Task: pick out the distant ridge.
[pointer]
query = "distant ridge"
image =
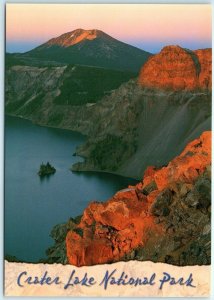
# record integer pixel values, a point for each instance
(91, 47)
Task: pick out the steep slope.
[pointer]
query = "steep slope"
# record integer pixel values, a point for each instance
(171, 106)
(91, 47)
(164, 218)
(33, 92)
(205, 61)
(123, 121)
(138, 122)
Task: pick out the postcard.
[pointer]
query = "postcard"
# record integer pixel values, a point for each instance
(108, 150)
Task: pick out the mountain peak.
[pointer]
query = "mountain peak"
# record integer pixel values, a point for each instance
(91, 47)
(74, 37)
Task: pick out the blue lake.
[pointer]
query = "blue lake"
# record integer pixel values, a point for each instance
(33, 206)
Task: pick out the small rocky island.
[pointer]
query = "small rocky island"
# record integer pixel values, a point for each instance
(46, 170)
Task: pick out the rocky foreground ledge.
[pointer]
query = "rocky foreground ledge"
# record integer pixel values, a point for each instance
(164, 218)
(196, 280)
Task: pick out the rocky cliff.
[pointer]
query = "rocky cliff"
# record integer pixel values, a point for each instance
(176, 68)
(130, 125)
(133, 122)
(174, 88)
(164, 218)
(122, 117)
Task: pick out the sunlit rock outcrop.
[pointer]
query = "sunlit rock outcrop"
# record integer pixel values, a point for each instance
(176, 68)
(163, 218)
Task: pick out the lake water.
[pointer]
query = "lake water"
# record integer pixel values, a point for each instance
(33, 206)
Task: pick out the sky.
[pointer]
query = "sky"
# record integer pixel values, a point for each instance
(146, 26)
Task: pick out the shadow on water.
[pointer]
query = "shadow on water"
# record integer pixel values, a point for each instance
(106, 178)
(45, 178)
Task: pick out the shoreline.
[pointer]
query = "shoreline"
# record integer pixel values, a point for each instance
(86, 169)
(43, 125)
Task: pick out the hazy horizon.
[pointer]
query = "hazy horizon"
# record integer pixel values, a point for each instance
(147, 26)
(24, 46)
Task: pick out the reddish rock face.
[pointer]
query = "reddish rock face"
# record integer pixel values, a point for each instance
(205, 60)
(175, 68)
(108, 231)
(186, 167)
